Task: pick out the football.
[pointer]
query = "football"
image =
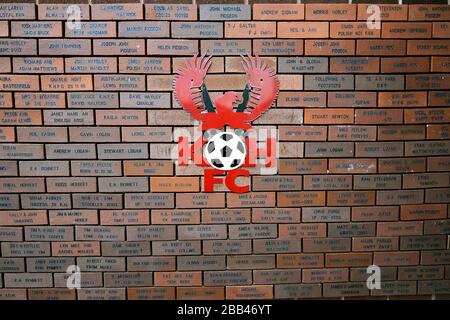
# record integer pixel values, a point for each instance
(225, 151)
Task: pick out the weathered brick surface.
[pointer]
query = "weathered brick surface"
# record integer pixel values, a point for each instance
(87, 121)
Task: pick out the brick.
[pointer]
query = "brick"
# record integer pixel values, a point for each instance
(38, 65)
(379, 82)
(399, 228)
(18, 47)
(9, 201)
(420, 273)
(385, 47)
(300, 260)
(13, 11)
(279, 215)
(177, 248)
(405, 64)
(428, 12)
(126, 11)
(399, 197)
(21, 151)
(144, 65)
(438, 163)
(435, 81)
(330, 11)
(427, 47)
(144, 29)
(302, 64)
(226, 216)
(384, 149)
(301, 198)
(224, 12)
(302, 133)
(19, 83)
(352, 259)
(375, 244)
(251, 199)
(352, 30)
(151, 293)
(56, 11)
(250, 231)
(326, 244)
(296, 166)
(325, 214)
(93, 200)
(406, 30)
(28, 280)
(25, 217)
(250, 292)
(377, 182)
(8, 168)
(128, 248)
(10, 234)
(13, 294)
(303, 30)
(256, 29)
(251, 262)
(172, 47)
(202, 232)
(197, 30)
(343, 198)
(194, 293)
(276, 246)
(51, 294)
(178, 278)
(226, 247)
(328, 82)
(396, 258)
(101, 294)
(325, 275)
(50, 264)
(425, 180)
(119, 47)
(277, 47)
(93, 100)
(4, 27)
(437, 131)
(36, 29)
(150, 263)
(437, 98)
(64, 46)
(352, 133)
(304, 230)
(397, 165)
(329, 115)
(356, 99)
(387, 12)
(63, 217)
(355, 65)
(426, 148)
(284, 291)
(170, 11)
(21, 185)
(329, 47)
(6, 99)
(273, 11)
(276, 276)
(353, 229)
(440, 29)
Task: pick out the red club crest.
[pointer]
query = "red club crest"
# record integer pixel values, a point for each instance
(232, 110)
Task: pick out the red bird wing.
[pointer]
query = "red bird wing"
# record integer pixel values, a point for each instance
(263, 85)
(189, 89)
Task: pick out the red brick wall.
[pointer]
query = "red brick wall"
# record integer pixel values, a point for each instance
(86, 128)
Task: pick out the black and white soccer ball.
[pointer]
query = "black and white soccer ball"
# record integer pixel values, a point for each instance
(225, 151)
